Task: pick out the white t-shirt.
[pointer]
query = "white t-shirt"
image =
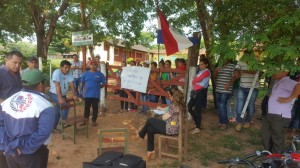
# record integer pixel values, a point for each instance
(246, 79)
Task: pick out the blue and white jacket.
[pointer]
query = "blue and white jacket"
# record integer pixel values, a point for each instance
(28, 120)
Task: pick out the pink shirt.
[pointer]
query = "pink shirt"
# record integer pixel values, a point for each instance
(282, 88)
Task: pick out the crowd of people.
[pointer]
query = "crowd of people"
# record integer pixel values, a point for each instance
(24, 102)
(28, 114)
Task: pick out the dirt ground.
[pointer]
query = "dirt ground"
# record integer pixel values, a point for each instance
(65, 154)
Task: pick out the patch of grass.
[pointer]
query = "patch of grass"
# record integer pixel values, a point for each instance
(231, 142)
(207, 156)
(254, 137)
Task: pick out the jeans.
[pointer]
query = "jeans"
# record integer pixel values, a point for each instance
(232, 114)
(222, 101)
(242, 96)
(145, 98)
(153, 98)
(151, 127)
(54, 98)
(77, 87)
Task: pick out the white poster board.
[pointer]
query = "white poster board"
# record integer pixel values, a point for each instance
(135, 78)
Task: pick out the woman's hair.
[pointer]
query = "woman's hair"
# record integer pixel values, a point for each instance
(205, 61)
(178, 98)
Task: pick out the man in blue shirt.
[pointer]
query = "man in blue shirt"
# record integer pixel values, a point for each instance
(10, 83)
(28, 120)
(92, 82)
(59, 86)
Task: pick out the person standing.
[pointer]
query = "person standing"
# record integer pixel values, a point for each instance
(198, 97)
(145, 96)
(223, 92)
(77, 72)
(92, 82)
(59, 86)
(121, 92)
(32, 63)
(10, 83)
(28, 120)
(279, 112)
(247, 77)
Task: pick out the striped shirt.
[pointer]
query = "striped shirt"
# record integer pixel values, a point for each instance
(224, 75)
(246, 79)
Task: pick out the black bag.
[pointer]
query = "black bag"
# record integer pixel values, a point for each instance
(129, 161)
(104, 160)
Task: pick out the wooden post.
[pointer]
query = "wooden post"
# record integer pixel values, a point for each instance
(191, 64)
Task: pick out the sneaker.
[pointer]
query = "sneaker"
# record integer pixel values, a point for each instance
(246, 125)
(195, 131)
(238, 127)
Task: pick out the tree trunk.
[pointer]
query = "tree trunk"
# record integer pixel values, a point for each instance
(83, 26)
(40, 17)
(205, 23)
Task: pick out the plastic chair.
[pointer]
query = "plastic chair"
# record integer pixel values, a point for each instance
(72, 120)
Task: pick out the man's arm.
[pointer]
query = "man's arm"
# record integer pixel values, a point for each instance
(58, 93)
(294, 94)
(235, 76)
(73, 90)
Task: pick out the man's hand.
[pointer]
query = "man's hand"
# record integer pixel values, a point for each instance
(61, 100)
(227, 86)
(75, 98)
(283, 100)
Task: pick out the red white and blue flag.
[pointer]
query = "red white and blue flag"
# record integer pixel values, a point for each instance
(174, 41)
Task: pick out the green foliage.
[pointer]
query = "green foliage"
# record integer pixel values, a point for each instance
(27, 49)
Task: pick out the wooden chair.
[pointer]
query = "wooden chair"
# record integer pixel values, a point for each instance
(72, 120)
(113, 137)
(180, 139)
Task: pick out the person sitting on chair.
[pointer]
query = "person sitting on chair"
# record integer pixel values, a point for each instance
(168, 125)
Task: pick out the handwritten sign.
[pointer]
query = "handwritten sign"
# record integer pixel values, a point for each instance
(135, 78)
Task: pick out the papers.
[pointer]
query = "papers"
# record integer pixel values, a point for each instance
(159, 112)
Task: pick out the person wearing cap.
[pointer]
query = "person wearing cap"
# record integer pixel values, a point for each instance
(77, 72)
(92, 81)
(28, 120)
(10, 83)
(32, 63)
(59, 86)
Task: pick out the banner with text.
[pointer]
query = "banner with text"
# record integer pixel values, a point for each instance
(135, 78)
(82, 38)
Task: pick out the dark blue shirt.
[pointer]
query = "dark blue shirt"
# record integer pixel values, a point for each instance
(9, 83)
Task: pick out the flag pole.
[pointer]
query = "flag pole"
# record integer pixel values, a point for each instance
(158, 52)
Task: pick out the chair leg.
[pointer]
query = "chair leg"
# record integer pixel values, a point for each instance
(159, 147)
